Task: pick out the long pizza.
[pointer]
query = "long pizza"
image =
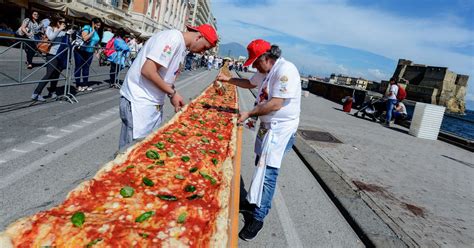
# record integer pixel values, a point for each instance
(170, 190)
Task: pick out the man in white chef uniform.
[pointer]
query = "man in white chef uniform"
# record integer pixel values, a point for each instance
(278, 107)
(151, 78)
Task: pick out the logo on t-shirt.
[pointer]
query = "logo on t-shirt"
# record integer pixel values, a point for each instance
(167, 49)
(263, 95)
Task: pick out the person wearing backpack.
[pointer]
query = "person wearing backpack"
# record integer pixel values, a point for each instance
(391, 99)
(55, 33)
(83, 56)
(118, 50)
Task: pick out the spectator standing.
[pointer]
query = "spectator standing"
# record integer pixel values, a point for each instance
(132, 44)
(56, 63)
(210, 62)
(106, 36)
(83, 56)
(29, 29)
(391, 99)
(117, 59)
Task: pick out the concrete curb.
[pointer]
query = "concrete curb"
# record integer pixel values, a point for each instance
(370, 228)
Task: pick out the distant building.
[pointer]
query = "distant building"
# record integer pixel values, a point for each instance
(360, 83)
(142, 17)
(433, 84)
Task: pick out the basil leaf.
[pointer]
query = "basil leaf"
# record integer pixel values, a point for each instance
(168, 132)
(189, 188)
(160, 162)
(78, 219)
(202, 122)
(182, 217)
(194, 197)
(144, 235)
(160, 145)
(220, 137)
(205, 140)
(213, 151)
(170, 154)
(152, 154)
(213, 130)
(202, 151)
(127, 192)
(182, 133)
(128, 167)
(144, 216)
(168, 197)
(170, 140)
(215, 161)
(194, 169)
(198, 134)
(93, 242)
(185, 158)
(184, 124)
(208, 177)
(150, 167)
(147, 181)
(180, 177)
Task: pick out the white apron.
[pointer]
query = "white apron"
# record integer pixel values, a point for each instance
(146, 118)
(270, 144)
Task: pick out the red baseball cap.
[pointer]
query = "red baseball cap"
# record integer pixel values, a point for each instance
(207, 31)
(255, 49)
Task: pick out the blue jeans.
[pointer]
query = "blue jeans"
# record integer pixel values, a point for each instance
(390, 104)
(83, 61)
(269, 186)
(126, 132)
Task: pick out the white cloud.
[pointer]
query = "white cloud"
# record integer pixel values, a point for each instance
(427, 41)
(377, 74)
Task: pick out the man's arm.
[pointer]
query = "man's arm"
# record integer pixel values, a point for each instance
(150, 71)
(263, 109)
(239, 82)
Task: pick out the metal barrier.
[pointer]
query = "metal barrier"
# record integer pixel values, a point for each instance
(68, 76)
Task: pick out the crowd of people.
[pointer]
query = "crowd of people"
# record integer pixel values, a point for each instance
(52, 35)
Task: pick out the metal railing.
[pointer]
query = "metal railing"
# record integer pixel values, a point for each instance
(65, 74)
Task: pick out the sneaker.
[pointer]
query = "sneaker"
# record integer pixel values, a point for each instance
(81, 89)
(52, 96)
(89, 88)
(39, 98)
(251, 229)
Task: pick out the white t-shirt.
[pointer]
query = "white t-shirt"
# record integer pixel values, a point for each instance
(403, 109)
(166, 48)
(394, 89)
(283, 81)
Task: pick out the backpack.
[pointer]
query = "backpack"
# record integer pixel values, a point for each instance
(402, 94)
(109, 48)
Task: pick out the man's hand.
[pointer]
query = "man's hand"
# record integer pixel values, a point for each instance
(243, 116)
(177, 101)
(223, 78)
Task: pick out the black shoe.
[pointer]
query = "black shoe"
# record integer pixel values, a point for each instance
(251, 229)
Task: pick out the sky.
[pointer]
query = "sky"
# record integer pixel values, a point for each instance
(363, 38)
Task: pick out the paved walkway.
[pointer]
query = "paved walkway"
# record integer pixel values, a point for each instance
(422, 189)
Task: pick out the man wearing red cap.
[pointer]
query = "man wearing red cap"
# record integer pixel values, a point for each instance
(278, 107)
(151, 78)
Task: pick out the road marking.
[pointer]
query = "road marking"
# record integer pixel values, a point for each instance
(104, 114)
(38, 143)
(78, 126)
(52, 136)
(23, 171)
(18, 150)
(65, 131)
(96, 118)
(88, 122)
(2, 161)
(289, 229)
